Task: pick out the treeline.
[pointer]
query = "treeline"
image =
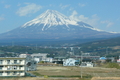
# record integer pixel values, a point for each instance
(103, 47)
(30, 50)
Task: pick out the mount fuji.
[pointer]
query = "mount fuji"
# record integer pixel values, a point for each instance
(53, 25)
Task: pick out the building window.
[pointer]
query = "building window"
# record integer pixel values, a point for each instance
(8, 61)
(20, 61)
(8, 72)
(1, 72)
(14, 73)
(9, 67)
(1, 67)
(20, 67)
(1, 61)
(15, 61)
(21, 72)
(15, 67)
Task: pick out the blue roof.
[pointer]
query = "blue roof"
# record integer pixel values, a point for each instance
(102, 58)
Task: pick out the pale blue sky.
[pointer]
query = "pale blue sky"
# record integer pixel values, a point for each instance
(101, 14)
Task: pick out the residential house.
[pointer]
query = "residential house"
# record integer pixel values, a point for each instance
(70, 62)
(87, 63)
(39, 56)
(102, 59)
(118, 60)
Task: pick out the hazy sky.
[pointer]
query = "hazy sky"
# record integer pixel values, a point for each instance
(101, 14)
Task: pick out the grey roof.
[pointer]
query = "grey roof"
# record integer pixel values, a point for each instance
(39, 54)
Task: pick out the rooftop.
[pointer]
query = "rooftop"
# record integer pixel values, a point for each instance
(11, 58)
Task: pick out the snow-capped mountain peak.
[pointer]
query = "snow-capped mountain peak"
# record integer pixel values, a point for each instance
(54, 25)
(51, 18)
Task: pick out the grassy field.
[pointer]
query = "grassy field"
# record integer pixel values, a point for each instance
(37, 78)
(72, 73)
(75, 72)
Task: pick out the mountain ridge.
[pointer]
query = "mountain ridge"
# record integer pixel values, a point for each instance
(54, 25)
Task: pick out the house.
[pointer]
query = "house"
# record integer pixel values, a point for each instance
(102, 59)
(58, 60)
(87, 63)
(39, 56)
(12, 66)
(70, 62)
(118, 61)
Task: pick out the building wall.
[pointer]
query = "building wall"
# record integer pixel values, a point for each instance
(87, 64)
(69, 62)
(12, 66)
(30, 63)
(41, 56)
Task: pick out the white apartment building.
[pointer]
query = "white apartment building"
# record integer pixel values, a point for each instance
(12, 66)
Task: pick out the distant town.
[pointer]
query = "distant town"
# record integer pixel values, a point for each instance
(19, 63)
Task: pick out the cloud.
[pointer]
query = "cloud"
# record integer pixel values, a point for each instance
(64, 6)
(92, 20)
(28, 9)
(7, 6)
(81, 5)
(109, 24)
(74, 16)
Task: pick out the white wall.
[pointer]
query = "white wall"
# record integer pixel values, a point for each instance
(12, 68)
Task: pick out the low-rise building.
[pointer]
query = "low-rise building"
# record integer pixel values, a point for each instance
(87, 63)
(70, 62)
(118, 60)
(39, 56)
(102, 59)
(12, 66)
(31, 64)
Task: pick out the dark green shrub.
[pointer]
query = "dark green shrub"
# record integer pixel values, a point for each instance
(113, 65)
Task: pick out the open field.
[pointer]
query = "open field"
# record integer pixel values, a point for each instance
(37, 78)
(75, 72)
(94, 78)
(72, 73)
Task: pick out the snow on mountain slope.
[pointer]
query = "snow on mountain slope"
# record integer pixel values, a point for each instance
(54, 18)
(54, 25)
(51, 18)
